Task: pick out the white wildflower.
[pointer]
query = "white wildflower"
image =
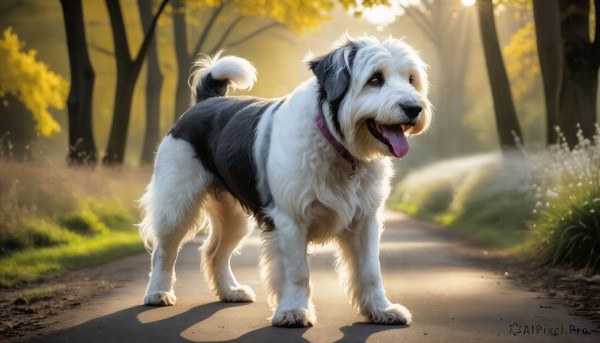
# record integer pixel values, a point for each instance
(550, 193)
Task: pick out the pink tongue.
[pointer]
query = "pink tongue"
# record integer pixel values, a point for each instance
(397, 140)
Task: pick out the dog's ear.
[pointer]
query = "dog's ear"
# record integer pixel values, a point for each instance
(333, 71)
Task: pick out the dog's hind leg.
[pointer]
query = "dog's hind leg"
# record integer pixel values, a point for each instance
(228, 227)
(171, 212)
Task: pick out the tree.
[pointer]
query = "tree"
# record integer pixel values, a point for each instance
(546, 16)
(507, 124)
(569, 61)
(31, 83)
(154, 81)
(82, 149)
(128, 70)
(581, 61)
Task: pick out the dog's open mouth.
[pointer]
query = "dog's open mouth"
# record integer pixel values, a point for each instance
(390, 135)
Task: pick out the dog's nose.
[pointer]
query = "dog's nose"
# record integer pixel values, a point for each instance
(411, 109)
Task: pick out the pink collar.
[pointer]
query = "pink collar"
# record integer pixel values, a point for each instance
(336, 145)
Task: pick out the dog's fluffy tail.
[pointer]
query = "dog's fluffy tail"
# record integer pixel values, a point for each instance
(214, 76)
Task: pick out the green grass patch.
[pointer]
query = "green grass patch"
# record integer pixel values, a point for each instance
(34, 233)
(35, 249)
(83, 223)
(54, 219)
(40, 264)
(112, 212)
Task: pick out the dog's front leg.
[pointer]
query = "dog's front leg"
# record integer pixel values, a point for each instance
(285, 271)
(360, 273)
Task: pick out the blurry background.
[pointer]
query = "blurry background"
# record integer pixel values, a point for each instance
(493, 166)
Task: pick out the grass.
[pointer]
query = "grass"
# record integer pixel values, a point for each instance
(83, 222)
(41, 264)
(545, 204)
(566, 230)
(54, 219)
(484, 197)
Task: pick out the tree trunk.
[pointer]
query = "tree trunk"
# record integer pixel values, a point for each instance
(154, 80)
(82, 149)
(115, 151)
(507, 123)
(184, 61)
(128, 71)
(578, 106)
(580, 70)
(184, 57)
(547, 27)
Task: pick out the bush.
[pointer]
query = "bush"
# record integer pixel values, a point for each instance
(111, 212)
(83, 223)
(33, 233)
(43, 233)
(567, 228)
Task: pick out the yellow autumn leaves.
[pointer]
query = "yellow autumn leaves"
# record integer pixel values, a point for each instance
(522, 61)
(296, 15)
(30, 81)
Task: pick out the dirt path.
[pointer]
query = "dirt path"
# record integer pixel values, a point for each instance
(453, 298)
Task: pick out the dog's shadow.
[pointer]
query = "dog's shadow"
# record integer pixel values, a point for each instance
(356, 333)
(360, 332)
(127, 326)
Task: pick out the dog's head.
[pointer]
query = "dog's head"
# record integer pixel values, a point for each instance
(376, 94)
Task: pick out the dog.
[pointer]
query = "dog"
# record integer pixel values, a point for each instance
(311, 167)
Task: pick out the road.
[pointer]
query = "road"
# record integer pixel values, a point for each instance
(453, 298)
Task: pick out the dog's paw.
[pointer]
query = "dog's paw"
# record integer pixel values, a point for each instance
(293, 318)
(394, 314)
(160, 299)
(238, 294)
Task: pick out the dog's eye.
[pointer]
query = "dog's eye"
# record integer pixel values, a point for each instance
(376, 80)
(411, 79)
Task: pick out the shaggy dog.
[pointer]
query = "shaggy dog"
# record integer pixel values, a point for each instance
(310, 167)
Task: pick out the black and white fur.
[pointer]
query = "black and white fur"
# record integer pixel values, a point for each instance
(229, 156)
